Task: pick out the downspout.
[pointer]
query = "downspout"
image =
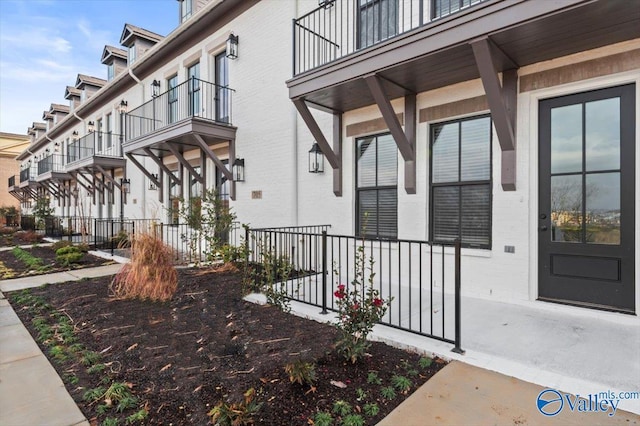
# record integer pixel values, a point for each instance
(144, 160)
(295, 143)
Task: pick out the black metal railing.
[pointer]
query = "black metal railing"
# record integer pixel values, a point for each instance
(340, 27)
(193, 98)
(421, 278)
(12, 181)
(104, 144)
(51, 163)
(29, 173)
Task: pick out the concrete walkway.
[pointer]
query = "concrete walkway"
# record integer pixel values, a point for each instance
(461, 394)
(31, 392)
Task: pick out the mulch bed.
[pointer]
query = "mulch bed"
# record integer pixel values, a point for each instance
(15, 268)
(18, 238)
(208, 345)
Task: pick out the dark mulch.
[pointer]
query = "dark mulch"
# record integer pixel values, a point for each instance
(207, 345)
(15, 268)
(17, 238)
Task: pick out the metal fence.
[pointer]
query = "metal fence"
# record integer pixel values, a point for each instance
(193, 98)
(421, 278)
(340, 27)
(105, 144)
(50, 163)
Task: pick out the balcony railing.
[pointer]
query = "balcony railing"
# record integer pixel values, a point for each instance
(340, 27)
(29, 173)
(104, 144)
(193, 98)
(12, 181)
(51, 163)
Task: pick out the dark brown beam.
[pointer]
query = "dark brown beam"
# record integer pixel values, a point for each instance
(174, 150)
(219, 164)
(384, 105)
(502, 103)
(162, 166)
(337, 148)
(333, 159)
(109, 178)
(410, 115)
(152, 178)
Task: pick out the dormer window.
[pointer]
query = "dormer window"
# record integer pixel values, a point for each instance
(186, 9)
(111, 71)
(132, 54)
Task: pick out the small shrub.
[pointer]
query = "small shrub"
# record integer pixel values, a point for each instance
(68, 255)
(425, 362)
(90, 358)
(97, 368)
(322, 418)
(361, 395)
(388, 393)
(121, 239)
(28, 237)
(371, 410)
(58, 353)
(301, 372)
(353, 420)
(150, 275)
(27, 258)
(59, 244)
(137, 417)
(373, 379)
(94, 394)
(401, 383)
(236, 414)
(342, 408)
(110, 421)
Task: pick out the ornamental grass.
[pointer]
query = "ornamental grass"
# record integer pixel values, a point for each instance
(150, 274)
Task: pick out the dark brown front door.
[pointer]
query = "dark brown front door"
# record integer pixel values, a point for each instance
(587, 199)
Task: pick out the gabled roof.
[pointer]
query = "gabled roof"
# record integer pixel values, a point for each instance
(88, 80)
(131, 32)
(71, 92)
(36, 125)
(110, 52)
(59, 108)
(46, 115)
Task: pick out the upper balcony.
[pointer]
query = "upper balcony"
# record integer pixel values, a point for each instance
(419, 45)
(12, 183)
(195, 108)
(28, 174)
(51, 167)
(95, 152)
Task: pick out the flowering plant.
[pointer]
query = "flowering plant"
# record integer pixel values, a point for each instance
(360, 307)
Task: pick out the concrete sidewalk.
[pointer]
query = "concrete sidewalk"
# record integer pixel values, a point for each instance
(31, 392)
(461, 394)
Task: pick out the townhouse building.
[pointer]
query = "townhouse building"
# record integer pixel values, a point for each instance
(508, 124)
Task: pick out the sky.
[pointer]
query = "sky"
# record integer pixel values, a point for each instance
(45, 44)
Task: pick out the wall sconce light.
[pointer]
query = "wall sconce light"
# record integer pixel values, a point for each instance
(316, 159)
(122, 108)
(237, 170)
(155, 88)
(232, 46)
(47, 151)
(125, 185)
(152, 186)
(91, 126)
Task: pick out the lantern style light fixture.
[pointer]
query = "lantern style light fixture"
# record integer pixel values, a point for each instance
(122, 108)
(91, 126)
(155, 88)
(232, 46)
(125, 184)
(237, 170)
(316, 159)
(152, 186)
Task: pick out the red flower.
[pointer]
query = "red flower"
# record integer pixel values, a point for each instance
(377, 302)
(356, 306)
(339, 294)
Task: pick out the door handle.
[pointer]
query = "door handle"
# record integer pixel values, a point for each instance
(543, 228)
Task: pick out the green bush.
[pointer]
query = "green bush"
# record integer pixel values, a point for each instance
(59, 244)
(68, 255)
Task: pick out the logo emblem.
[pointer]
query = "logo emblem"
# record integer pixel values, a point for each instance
(550, 402)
